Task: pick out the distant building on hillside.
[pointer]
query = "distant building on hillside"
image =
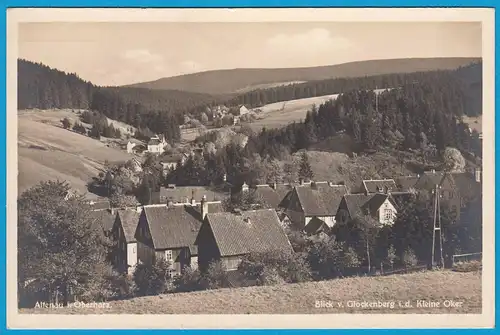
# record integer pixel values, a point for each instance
(157, 144)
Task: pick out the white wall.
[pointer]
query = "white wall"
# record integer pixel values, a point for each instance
(131, 256)
(387, 206)
(329, 220)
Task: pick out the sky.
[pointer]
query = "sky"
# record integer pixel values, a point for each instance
(125, 53)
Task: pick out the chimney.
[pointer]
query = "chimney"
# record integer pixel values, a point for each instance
(477, 174)
(247, 220)
(237, 211)
(301, 181)
(204, 207)
(433, 171)
(274, 185)
(193, 201)
(171, 185)
(170, 203)
(138, 209)
(244, 187)
(112, 211)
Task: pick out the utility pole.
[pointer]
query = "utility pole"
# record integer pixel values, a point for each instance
(437, 228)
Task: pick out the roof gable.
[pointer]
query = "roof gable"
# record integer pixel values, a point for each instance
(377, 186)
(184, 194)
(272, 196)
(235, 236)
(320, 199)
(172, 227)
(128, 220)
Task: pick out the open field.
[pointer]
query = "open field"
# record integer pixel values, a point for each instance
(474, 122)
(279, 114)
(46, 151)
(432, 286)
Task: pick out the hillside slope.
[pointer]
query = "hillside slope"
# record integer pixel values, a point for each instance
(301, 298)
(46, 151)
(239, 80)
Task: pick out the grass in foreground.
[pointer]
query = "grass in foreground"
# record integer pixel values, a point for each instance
(433, 286)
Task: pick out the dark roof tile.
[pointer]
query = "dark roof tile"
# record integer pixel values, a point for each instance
(321, 199)
(235, 236)
(128, 220)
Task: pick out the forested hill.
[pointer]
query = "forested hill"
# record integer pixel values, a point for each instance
(241, 80)
(415, 122)
(40, 86)
(466, 79)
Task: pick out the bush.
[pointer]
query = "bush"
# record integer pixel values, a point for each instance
(330, 259)
(190, 280)
(151, 279)
(66, 123)
(267, 267)
(409, 258)
(215, 277)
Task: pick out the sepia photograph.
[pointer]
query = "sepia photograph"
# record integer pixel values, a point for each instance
(238, 162)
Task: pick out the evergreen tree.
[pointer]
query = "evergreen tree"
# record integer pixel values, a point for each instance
(305, 170)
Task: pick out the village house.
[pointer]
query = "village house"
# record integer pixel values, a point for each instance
(133, 145)
(170, 162)
(379, 206)
(273, 195)
(169, 232)
(314, 200)
(227, 237)
(123, 232)
(157, 144)
(173, 194)
(457, 189)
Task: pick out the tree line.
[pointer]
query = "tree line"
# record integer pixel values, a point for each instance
(464, 81)
(418, 118)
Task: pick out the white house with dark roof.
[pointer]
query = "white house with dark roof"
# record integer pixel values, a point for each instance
(379, 206)
(156, 144)
(169, 232)
(227, 237)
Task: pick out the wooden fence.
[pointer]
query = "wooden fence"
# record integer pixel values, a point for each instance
(476, 256)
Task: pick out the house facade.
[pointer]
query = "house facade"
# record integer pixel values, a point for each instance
(228, 237)
(379, 206)
(156, 144)
(169, 233)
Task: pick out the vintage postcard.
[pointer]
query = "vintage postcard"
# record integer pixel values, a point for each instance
(250, 168)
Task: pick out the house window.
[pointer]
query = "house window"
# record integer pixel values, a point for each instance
(388, 215)
(168, 255)
(170, 273)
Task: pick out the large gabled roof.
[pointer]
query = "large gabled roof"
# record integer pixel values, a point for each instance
(320, 199)
(248, 232)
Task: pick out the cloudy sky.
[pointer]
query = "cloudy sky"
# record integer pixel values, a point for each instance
(125, 53)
